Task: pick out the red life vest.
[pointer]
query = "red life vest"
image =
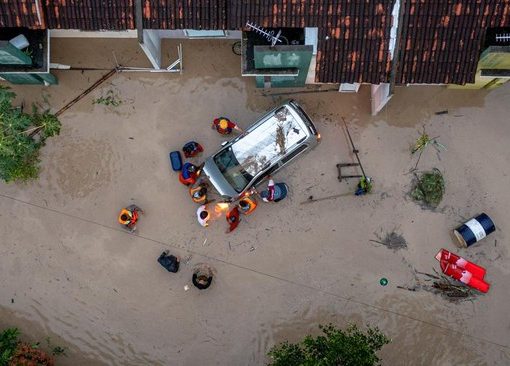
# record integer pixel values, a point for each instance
(224, 125)
(233, 218)
(189, 181)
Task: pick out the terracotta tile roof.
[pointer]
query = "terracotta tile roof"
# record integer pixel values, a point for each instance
(353, 35)
(184, 14)
(442, 39)
(90, 14)
(21, 13)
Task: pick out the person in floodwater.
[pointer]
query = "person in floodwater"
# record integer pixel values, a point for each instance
(202, 277)
(189, 174)
(203, 216)
(169, 262)
(225, 126)
(192, 149)
(233, 219)
(199, 194)
(128, 217)
(247, 205)
(275, 192)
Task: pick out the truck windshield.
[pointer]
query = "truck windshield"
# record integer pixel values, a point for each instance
(233, 172)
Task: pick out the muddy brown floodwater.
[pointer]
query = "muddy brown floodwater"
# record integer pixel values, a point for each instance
(68, 271)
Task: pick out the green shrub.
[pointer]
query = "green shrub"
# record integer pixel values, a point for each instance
(350, 347)
(21, 137)
(429, 188)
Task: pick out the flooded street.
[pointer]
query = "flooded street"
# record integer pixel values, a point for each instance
(69, 271)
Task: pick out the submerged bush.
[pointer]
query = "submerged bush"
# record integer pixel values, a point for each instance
(349, 347)
(429, 188)
(21, 136)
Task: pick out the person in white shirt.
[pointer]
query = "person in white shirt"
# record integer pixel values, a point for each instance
(203, 216)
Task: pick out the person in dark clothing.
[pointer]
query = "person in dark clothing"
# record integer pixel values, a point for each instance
(202, 277)
(169, 262)
(192, 149)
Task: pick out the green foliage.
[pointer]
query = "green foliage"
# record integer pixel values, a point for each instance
(336, 347)
(425, 140)
(8, 343)
(14, 352)
(56, 350)
(110, 99)
(21, 137)
(365, 184)
(429, 188)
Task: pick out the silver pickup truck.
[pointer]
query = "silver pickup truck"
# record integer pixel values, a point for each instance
(269, 144)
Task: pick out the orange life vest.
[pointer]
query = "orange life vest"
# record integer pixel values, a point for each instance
(251, 205)
(191, 180)
(196, 196)
(132, 217)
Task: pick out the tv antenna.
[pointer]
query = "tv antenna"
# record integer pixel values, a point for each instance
(503, 37)
(269, 35)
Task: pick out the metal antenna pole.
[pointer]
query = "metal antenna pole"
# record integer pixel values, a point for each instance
(354, 150)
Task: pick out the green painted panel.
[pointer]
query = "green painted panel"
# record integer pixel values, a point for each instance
(10, 55)
(284, 57)
(30, 79)
(49, 78)
(495, 60)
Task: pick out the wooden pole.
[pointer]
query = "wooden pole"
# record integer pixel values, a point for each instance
(86, 92)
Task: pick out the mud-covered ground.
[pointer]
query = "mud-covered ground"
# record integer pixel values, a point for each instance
(67, 270)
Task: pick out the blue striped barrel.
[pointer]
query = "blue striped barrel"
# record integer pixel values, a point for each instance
(474, 230)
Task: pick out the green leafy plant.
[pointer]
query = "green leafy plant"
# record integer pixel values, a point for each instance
(56, 350)
(21, 137)
(425, 140)
(14, 352)
(110, 99)
(8, 344)
(365, 183)
(429, 188)
(349, 347)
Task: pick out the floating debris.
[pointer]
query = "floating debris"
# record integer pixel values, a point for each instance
(442, 285)
(448, 288)
(392, 240)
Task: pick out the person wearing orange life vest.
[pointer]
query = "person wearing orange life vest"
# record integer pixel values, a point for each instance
(189, 174)
(225, 126)
(129, 216)
(247, 205)
(199, 193)
(233, 219)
